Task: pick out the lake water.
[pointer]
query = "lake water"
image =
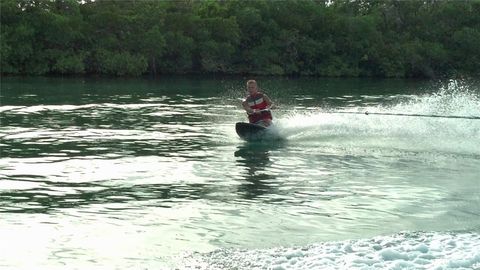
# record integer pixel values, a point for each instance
(150, 174)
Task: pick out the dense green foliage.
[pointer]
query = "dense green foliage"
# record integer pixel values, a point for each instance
(319, 38)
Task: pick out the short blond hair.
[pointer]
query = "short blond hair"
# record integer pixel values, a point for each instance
(251, 82)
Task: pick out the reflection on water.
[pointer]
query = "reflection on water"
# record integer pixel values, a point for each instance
(255, 158)
(56, 196)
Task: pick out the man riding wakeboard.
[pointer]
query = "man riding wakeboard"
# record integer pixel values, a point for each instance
(257, 105)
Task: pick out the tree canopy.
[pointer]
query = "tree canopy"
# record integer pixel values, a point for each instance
(357, 38)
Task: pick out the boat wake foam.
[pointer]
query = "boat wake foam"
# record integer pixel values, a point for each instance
(400, 251)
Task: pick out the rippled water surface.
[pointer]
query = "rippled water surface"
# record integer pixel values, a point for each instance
(130, 173)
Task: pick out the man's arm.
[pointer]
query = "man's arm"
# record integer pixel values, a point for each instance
(247, 108)
(268, 101)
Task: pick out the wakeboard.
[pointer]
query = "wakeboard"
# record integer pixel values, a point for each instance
(250, 132)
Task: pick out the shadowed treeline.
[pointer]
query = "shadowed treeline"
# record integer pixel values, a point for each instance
(316, 38)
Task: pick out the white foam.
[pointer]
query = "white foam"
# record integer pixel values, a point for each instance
(400, 251)
(391, 127)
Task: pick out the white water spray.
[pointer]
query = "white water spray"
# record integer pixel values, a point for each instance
(398, 126)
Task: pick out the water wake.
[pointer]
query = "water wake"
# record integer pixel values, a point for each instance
(400, 251)
(399, 125)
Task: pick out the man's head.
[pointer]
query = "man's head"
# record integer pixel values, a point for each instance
(252, 87)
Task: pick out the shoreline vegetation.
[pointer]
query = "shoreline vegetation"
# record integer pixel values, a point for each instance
(385, 39)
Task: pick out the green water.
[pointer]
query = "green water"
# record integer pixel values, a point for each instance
(138, 173)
